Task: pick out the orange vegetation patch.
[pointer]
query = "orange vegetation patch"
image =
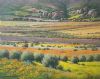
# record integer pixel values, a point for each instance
(68, 53)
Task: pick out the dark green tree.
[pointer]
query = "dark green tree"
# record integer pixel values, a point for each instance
(15, 55)
(38, 57)
(82, 58)
(27, 56)
(4, 54)
(50, 61)
(75, 60)
(97, 57)
(90, 58)
(63, 58)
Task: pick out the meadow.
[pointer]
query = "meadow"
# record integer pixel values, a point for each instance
(51, 29)
(49, 50)
(13, 69)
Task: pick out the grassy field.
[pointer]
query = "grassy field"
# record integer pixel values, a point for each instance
(86, 32)
(56, 38)
(76, 29)
(83, 69)
(13, 69)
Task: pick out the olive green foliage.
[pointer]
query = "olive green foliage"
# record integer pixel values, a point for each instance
(63, 58)
(15, 55)
(75, 60)
(38, 57)
(59, 67)
(90, 58)
(50, 61)
(94, 49)
(97, 57)
(27, 56)
(82, 58)
(4, 54)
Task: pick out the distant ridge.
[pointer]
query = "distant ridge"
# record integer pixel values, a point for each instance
(5, 5)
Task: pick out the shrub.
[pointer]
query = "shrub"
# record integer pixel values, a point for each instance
(97, 57)
(82, 59)
(75, 50)
(85, 48)
(75, 60)
(63, 58)
(59, 67)
(50, 61)
(27, 56)
(89, 58)
(4, 54)
(94, 49)
(58, 57)
(15, 55)
(25, 45)
(38, 57)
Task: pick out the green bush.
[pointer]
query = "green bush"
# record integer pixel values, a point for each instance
(27, 56)
(15, 55)
(4, 54)
(97, 57)
(89, 58)
(38, 57)
(94, 48)
(82, 58)
(63, 58)
(75, 60)
(59, 67)
(50, 61)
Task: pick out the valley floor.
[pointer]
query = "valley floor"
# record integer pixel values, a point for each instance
(13, 69)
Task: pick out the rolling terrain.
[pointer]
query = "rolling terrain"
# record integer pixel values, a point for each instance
(51, 35)
(86, 32)
(13, 69)
(40, 40)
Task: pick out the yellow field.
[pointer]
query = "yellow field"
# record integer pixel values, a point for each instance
(25, 23)
(79, 29)
(13, 69)
(84, 32)
(83, 70)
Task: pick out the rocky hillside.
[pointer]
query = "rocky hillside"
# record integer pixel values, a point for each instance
(9, 7)
(4, 4)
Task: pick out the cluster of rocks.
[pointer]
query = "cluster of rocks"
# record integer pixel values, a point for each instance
(41, 14)
(51, 15)
(87, 12)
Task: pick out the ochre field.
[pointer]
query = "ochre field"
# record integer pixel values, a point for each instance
(79, 29)
(13, 69)
(58, 38)
(68, 53)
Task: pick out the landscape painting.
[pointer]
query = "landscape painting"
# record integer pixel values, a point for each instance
(49, 39)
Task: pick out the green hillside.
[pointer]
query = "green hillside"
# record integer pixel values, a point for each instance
(20, 6)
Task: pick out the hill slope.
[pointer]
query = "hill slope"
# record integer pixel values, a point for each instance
(9, 6)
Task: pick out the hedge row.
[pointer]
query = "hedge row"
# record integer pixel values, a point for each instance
(87, 58)
(47, 59)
